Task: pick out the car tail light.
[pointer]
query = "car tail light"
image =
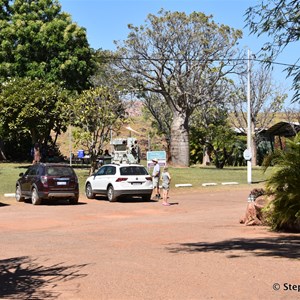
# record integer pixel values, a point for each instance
(149, 178)
(121, 179)
(44, 180)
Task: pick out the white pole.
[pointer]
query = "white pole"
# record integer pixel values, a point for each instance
(249, 164)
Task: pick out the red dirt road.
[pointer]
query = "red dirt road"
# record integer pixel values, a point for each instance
(194, 249)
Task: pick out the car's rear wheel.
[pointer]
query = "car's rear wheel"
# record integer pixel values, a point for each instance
(19, 196)
(146, 197)
(111, 194)
(89, 191)
(73, 201)
(35, 199)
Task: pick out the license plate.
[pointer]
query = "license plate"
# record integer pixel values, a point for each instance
(136, 183)
(61, 183)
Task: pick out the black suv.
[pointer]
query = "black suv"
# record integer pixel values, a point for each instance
(48, 181)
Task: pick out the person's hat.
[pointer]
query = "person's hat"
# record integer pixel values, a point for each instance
(155, 160)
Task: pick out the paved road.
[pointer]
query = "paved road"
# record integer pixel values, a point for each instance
(194, 249)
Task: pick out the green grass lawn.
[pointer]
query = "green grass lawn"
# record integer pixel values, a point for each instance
(199, 175)
(196, 176)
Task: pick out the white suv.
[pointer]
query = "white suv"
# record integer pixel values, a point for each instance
(114, 180)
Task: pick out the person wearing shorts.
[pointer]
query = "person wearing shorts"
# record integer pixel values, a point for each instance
(155, 178)
(166, 179)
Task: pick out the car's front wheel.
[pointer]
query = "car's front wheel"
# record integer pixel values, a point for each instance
(35, 199)
(89, 191)
(19, 196)
(111, 194)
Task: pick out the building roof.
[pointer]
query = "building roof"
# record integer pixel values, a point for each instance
(286, 129)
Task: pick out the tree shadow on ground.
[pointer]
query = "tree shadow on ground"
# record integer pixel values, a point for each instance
(284, 246)
(24, 278)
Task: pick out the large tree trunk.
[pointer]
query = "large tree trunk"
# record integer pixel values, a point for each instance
(34, 137)
(253, 145)
(180, 150)
(254, 152)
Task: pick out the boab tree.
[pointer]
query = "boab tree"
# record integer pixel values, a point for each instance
(182, 58)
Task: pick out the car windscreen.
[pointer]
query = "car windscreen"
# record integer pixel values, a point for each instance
(133, 170)
(60, 171)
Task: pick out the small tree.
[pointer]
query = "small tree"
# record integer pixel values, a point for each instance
(33, 106)
(95, 112)
(266, 100)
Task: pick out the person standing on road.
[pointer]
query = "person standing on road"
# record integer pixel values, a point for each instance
(156, 177)
(166, 179)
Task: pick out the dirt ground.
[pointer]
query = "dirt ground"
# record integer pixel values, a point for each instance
(193, 249)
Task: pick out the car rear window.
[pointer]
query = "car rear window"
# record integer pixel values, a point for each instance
(33, 170)
(60, 171)
(133, 170)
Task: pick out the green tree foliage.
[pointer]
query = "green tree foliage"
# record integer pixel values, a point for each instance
(95, 112)
(182, 58)
(212, 140)
(37, 40)
(33, 107)
(105, 74)
(4, 9)
(279, 19)
(283, 212)
(227, 147)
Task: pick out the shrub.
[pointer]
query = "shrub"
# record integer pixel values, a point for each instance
(283, 212)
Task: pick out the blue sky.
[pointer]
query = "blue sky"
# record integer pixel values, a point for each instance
(107, 20)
